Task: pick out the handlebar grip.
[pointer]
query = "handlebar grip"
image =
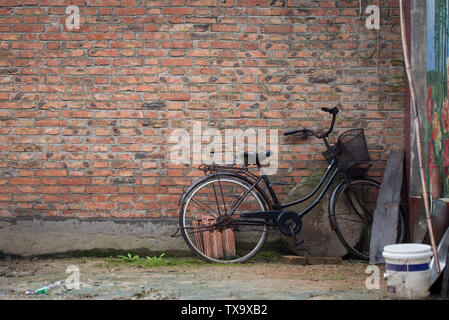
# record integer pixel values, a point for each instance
(292, 132)
(333, 111)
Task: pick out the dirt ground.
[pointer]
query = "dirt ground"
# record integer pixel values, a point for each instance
(99, 278)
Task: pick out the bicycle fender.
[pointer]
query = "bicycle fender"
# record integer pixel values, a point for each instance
(331, 200)
(232, 174)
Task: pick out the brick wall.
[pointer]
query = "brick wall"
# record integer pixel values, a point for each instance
(85, 114)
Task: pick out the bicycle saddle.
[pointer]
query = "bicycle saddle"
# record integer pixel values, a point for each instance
(255, 158)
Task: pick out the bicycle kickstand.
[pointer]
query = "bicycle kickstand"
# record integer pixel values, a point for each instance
(296, 242)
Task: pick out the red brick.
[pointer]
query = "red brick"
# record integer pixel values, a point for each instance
(104, 53)
(130, 11)
(177, 11)
(176, 62)
(24, 181)
(175, 96)
(51, 173)
(277, 29)
(73, 181)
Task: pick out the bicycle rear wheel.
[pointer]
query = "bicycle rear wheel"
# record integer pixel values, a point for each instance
(209, 229)
(352, 224)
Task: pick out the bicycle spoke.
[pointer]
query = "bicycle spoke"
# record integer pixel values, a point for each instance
(216, 199)
(222, 196)
(204, 207)
(353, 204)
(346, 219)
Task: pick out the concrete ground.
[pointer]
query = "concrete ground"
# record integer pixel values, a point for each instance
(185, 279)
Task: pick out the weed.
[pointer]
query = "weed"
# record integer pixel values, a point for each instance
(129, 257)
(150, 262)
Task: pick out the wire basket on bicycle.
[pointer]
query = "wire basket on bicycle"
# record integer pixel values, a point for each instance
(351, 150)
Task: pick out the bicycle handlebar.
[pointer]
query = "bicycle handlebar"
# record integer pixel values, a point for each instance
(333, 111)
(292, 132)
(307, 132)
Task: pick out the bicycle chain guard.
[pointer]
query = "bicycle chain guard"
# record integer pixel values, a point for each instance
(288, 221)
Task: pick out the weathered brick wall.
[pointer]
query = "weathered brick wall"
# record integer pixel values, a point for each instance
(85, 114)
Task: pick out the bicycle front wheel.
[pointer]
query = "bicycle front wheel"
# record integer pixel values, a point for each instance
(209, 228)
(352, 223)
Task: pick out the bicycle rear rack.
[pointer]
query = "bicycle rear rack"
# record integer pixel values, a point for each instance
(214, 168)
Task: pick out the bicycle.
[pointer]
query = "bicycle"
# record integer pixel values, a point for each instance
(225, 216)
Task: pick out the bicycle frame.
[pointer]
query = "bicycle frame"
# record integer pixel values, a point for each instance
(276, 207)
(332, 171)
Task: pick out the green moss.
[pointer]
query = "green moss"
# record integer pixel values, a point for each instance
(314, 180)
(266, 256)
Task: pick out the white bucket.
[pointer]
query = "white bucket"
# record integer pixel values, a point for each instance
(408, 271)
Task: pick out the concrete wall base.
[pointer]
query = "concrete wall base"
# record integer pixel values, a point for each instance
(37, 236)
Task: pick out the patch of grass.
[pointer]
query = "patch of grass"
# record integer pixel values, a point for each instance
(100, 265)
(164, 260)
(150, 262)
(266, 256)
